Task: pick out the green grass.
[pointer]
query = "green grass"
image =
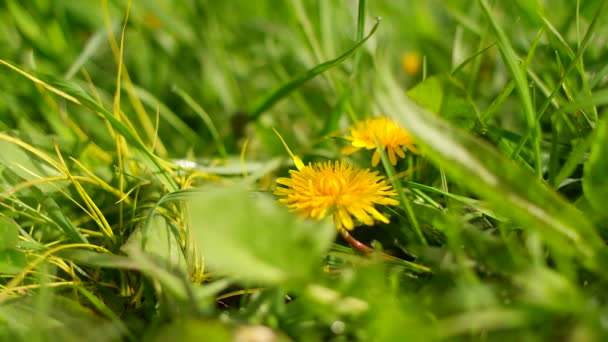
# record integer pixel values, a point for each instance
(138, 157)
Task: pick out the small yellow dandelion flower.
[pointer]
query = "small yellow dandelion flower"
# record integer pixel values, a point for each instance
(411, 62)
(392, 138)
(337, 189)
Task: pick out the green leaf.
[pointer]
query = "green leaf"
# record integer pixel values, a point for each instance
(91, 258)
(27, 166)
(8, 234)
(428, 94)
(148, 264)
(595, 182)
(250, 237)
(194, 330)
(162, 240)
(457, 107)
(12, 261)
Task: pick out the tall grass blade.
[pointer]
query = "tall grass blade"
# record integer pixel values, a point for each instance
(284, 90)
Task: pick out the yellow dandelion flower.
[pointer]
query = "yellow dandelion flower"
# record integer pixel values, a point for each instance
(411, 63)
(392, 138)
(337, 189)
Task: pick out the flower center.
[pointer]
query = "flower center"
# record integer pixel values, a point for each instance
(332, 185)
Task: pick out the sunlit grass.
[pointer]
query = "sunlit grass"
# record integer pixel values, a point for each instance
(139, 165)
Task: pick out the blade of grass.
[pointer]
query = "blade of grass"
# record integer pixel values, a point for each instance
(94, 44)
(574, 159)
(167, 114)
(106, 311)
(572, 55)
(469, 59)
(521, 84)
(331, 124)
(9, 288)
(130, 135)
(283, 90)
(598, 98)
(510, 190)
(405, 202)
(469, 201)
(205, 117)
(571, 66)
(502, 97)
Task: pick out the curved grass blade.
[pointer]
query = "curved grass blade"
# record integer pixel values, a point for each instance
(567, 70)
(283, 90)
(331, 124)
(107, 312)
(205, 117)
(470, 58)
(167, 114)
(574, 159)
(598, 98)
(76, 95)
(131, 137)
(510, 190)
(93, 45)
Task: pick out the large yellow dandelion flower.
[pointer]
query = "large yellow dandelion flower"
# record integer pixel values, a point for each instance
(392, 138)
(337, 189)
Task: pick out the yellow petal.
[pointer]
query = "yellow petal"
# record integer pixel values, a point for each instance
(399, 151)
(348, 150)
(345, 218)
(376, 158)
(376, 214)
(391, 156)
(413, 149)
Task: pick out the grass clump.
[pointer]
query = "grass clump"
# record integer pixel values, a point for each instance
(140, 167)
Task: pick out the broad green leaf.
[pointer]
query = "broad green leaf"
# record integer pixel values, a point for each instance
(97, 259)
(8, 234)
(161, 240)
(193, 331)
(27, 166)
(428, 94)
(511, 191)
(12, 261)
(68, 320)
(457, 107)
(250, 237)
(149, 265)
(443, 95)
(595, 179)
(542, 285)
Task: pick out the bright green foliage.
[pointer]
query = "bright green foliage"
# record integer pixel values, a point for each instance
(138, 157)
(595, 183)
(249, 237)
